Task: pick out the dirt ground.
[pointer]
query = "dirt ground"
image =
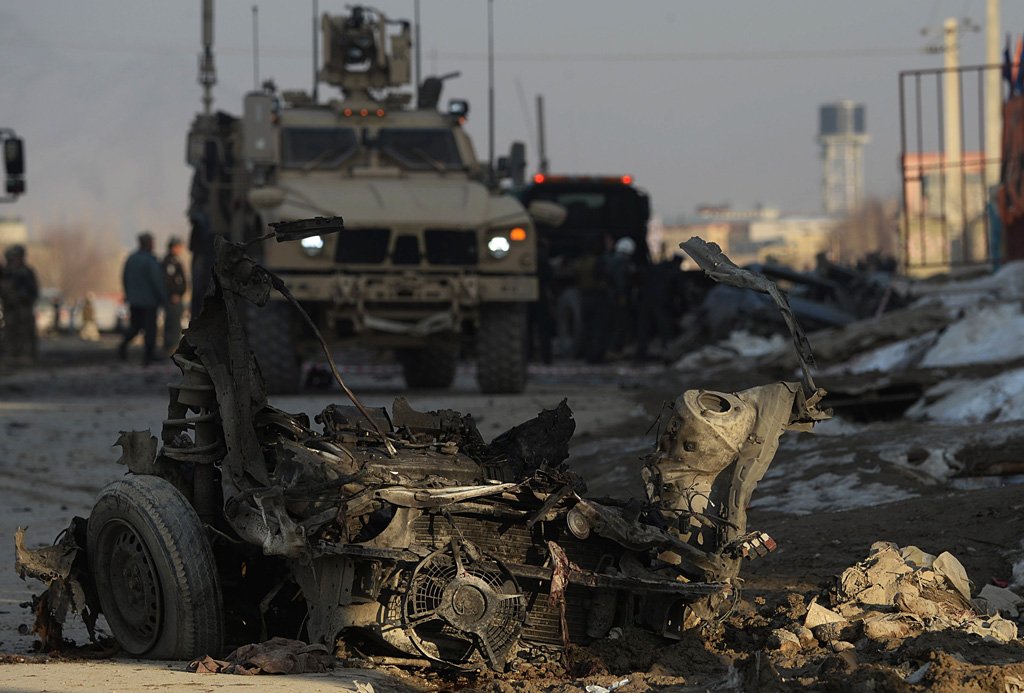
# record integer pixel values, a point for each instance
(826, 500)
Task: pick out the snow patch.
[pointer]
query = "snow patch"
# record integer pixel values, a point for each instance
(829, 492)
(999, 398)
(991, 334)
(740, 343)
(895, 356)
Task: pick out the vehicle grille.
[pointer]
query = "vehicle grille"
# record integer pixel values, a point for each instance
(450, 247)
(406, 252)
(363, 246)
(514, 543)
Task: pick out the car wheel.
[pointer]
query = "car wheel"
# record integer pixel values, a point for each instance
(154, 571)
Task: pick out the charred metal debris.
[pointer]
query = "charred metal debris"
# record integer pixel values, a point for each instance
(400, 531)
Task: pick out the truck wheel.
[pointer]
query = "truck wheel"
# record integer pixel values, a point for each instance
(432, 366)
(154, 571)
(271, 333)
(501, 348)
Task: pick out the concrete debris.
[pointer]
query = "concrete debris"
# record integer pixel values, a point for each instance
(896, 593)
(917, 676)
(818, 615)
(784, 641)
(998, 600)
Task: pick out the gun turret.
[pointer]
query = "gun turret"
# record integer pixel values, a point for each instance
(360, 54)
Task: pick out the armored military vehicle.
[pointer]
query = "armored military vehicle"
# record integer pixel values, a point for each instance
(434, 259)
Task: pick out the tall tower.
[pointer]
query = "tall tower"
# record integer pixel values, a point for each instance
(842, 136)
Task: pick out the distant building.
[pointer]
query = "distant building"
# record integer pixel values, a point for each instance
(12, 232)
(941, 199)
(755, 236)
(842, 134)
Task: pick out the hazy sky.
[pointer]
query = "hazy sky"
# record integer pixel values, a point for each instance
(699, 101)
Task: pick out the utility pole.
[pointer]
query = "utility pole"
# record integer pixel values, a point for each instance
(419, 55)
(255, 48)
(490, 88)
(951, 122)
(316, 51)
(993, 96)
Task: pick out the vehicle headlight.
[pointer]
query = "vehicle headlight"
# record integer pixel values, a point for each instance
(498, 247)
(313, 245)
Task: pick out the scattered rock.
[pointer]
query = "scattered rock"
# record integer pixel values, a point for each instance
(999, 600)
(948, 567)
(819, 615)
(784, 641)
(806, 637)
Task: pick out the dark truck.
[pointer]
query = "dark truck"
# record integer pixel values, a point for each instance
(599, 210)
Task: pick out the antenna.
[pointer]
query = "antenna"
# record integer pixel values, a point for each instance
(207, 71)
(542, 150)
(316, 47)
(490, 87)
(419, 58)
(255, 48)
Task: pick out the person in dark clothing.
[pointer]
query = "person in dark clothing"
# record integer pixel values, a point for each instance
(659, 290)
(19, 290)
(174, 277)
(145, 291)
(592, 280)
(621, 272)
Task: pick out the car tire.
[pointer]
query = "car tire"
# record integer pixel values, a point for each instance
(432, 366)
(154, 571)
(271, 333)
(501, 348)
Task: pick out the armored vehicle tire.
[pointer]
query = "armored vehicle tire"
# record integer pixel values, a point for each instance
(271, 333)
(154, 571)
(501, 348)
(432, 366)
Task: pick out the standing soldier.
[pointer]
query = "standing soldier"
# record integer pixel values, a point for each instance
(18, 292)
(145, 291)
(174, 277)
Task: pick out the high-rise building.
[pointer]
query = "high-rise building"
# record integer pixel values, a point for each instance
(842, 134)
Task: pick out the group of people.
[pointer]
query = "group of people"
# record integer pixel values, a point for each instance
(149, 286)
(624, 306)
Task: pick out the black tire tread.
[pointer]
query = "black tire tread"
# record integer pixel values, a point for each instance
(501, 348)
(272, 340)
(430, 366)
(184, 546)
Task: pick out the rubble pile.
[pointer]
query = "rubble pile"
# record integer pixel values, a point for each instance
(901, 592)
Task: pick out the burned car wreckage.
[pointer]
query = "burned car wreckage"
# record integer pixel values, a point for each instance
(402, 532)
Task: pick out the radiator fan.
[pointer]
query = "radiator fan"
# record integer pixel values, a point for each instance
(464, 608)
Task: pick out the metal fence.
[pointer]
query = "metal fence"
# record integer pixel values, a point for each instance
(946, 221)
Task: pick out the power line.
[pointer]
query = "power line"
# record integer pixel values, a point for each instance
(532, 56)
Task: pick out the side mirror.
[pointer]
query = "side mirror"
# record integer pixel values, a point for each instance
(14, 165)
(547, 213)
